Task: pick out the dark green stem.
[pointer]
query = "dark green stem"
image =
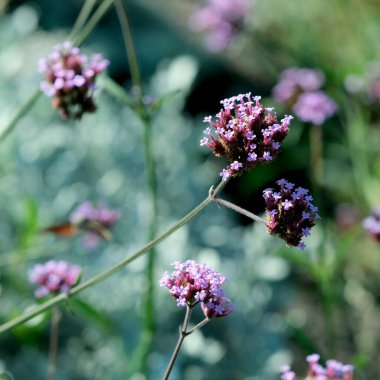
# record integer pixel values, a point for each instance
(114, 269)
(82, 18)
(92, 22)
(53, 346)
(144, 347)
(182, 335)
(239, 210)
(20, 114)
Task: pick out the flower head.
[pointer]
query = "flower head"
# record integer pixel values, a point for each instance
(94, 219)
(192, 283)
(296, 80)
(70, 79)
(334, 370)
(54, 277)
(221, 20)
(372, 224)
(246, 133)
(314, 107)
(290, 213)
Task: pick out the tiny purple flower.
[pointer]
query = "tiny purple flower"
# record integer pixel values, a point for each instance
(193, 283)
(289, 215)
(221, 20)
(72, 76)
(314, 107)
(54, 277)
(372, 224)
(242, 120)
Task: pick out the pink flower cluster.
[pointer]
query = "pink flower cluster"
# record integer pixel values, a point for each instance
(221, 20)
(372, 224)
(300, 89)
(93, 219)
(70, 79)
(246, 133)
(334, 370)
(192, 283)
(54, 277)
(290, 213)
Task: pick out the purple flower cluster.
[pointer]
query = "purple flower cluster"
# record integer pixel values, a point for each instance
(372, 224)
(290, 213)
(221, 20)
(296, 80)
(54, 277)
(192, 283)
(314, 107)
(70, 79)
(300, 89)
(334, 370)
(246, 133)
(94, 219)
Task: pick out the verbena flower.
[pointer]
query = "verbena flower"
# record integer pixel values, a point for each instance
(300, 88)
(372, 224)
(54, 277)
(70, 79)
(221, 20)
(290, 213)
(246, 133)
(193, 283)
(314, 107)
(294, 81)
(334, 370)
(95, 220)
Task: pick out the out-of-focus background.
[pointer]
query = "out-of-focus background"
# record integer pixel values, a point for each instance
(288, 303)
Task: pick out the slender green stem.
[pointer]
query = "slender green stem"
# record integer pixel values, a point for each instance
(53, 347)
(116, 268)
(129, 45)
(198, 326)
(143, 349)
(82, 18)
(239, 210)
(316, 153)
(20, 114)
(87, 29)
(182, 334)
(115, 90)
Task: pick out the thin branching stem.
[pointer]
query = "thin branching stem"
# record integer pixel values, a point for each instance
(92, 22)
(82, 18)
(144, 347)
(114, 269)
(182, 335)
(239, 210)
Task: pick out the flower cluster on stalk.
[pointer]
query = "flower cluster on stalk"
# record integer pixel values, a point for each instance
(372, 224)
(54, 277)
(221, 20)
(246, 133)
(70, 79)
(290, 212)
(300, 88)
(95, 220)
(192, 283)
(334, 370)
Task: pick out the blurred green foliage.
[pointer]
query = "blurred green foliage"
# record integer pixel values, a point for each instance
(288, 303)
